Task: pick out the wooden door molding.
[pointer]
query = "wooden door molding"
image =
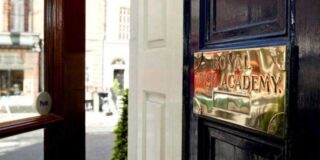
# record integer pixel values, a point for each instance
(64, 77)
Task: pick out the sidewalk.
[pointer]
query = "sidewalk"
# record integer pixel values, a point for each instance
(99, 135)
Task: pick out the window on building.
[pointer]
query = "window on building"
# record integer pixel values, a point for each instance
(124, 23)
(19, 15)
(11, 82)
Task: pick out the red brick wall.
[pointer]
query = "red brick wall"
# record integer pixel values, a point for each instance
(6, 15)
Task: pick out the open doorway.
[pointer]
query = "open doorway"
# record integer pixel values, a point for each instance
(107, 72)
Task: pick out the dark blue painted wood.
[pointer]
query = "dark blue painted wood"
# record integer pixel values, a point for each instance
(238, 20)
(305, 141)
(208, 26)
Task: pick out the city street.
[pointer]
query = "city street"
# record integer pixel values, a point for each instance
(99, 140)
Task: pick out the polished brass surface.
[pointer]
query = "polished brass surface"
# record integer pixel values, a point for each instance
(242, 86)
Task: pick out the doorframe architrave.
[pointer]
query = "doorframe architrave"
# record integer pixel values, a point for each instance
(65, 78)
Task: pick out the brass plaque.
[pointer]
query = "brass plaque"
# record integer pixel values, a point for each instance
(242, 86)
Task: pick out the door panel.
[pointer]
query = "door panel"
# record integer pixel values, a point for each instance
(234, 20)
(154, 127)
(218, 143)
(155, 112)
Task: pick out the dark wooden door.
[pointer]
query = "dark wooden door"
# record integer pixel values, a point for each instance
(218, 25)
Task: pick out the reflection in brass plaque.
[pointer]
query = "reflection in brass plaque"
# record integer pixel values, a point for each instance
(242, 86)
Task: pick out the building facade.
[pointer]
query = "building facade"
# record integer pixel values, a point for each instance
(107, 47)
(117, 43)
(21, 41)
(95, 35)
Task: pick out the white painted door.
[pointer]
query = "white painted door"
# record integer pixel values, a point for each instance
(155, 96)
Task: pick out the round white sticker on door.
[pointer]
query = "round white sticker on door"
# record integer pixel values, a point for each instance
(43, 103)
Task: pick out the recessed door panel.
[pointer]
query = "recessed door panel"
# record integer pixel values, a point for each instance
(221, 144)
(236, 20)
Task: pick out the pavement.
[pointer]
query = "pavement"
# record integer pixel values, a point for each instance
(99, 135)
(99, 140)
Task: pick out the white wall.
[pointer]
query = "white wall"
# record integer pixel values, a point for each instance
(113, 8)
(38, 17)
(95, 29)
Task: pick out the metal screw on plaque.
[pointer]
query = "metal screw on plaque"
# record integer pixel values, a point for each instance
(43, 103)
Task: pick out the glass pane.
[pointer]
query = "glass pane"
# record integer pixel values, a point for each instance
(27, 146)
(21, 57)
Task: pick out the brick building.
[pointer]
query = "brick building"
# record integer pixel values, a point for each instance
(21, 29)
